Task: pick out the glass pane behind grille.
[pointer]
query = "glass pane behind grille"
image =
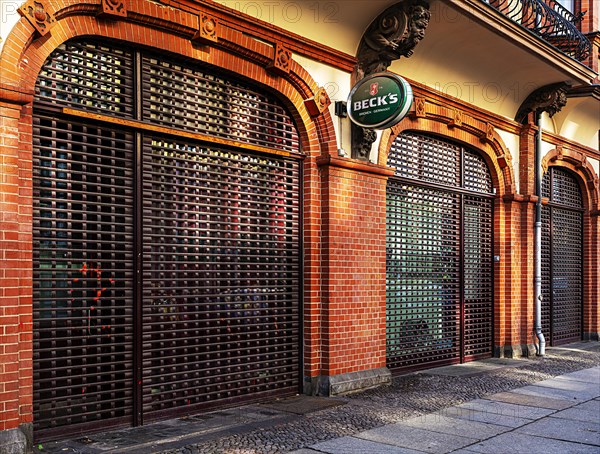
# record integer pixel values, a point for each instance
(82, 288)
(221, 267)
(423, 281)
(88, 76)
(186, 97)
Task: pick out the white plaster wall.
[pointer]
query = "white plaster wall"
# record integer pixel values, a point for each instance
(512, 143)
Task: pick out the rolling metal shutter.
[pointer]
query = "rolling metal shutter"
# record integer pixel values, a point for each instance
(439, 254)
(562, 257)
(166, 266)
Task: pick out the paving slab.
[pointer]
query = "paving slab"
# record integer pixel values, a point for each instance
(586, 432)
(576, 387)
(475, 368)
(532, 401)
(417, 439)
(437, 422)
(353, 445)
(518, 443)
(506, 410)
(587, 411)
(488, 417)
(586, 375)
(553, 393)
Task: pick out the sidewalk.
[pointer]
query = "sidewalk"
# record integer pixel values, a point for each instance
(559, 415)
(537, 405)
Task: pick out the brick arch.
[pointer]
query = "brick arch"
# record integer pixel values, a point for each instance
(25, 52)
(480, 137)
(583, 171)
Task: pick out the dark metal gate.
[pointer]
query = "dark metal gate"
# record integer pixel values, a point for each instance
(439, 254)
(166, 241)
(562, 257)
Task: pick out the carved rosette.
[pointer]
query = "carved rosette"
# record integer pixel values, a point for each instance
(282, 59)
(113, 8)
(39, 15)
(392, 35)
(208, 29)
(318, 103)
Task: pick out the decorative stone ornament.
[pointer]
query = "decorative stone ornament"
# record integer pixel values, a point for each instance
(37, 13)
(208, 28)
(113, 8)
(550, 98)
(282, 59)
(393, 34)
(318, 103)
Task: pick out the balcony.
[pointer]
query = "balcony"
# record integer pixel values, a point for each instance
(550, 21)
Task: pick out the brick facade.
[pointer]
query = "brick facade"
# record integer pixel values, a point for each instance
(344, 221)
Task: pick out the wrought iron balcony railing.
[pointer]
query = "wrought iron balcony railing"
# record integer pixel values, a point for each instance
(550, 21)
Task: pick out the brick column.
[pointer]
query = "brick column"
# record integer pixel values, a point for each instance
(15, 270)
(353, 326)
(591, 306)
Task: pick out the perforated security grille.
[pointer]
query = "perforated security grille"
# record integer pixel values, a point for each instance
(166, 270)
(83, 271)
(221, 267)
(88, 76)
(195, 100)
(562, 257)
(439, 254)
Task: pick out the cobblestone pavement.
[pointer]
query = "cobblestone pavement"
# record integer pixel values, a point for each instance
(408, 396)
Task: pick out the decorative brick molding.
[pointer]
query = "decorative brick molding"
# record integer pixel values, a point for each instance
(318, 103)
(282, 58)
(208, 29)
(39, 14)
(113, 9)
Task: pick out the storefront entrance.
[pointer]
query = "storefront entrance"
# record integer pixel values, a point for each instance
(166, 240)
(562, 257)
(439, 254)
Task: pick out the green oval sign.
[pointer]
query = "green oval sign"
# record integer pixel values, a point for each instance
(379, 101)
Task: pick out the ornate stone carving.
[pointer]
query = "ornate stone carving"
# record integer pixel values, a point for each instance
(362, 140)
(318, 103)
(550, 98)
(282, 59)
(113, 8)
(208, 28)
(37, 13)
(393, 34)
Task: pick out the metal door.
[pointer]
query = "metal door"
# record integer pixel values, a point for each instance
(166, 241)
(562, 257)
(439, 254)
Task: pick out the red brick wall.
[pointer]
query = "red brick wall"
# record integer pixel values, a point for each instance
(16, 267)
(354, 235)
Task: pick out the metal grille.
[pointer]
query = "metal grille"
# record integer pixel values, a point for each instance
(220, 276)
(478, 283)
(195, 100)
(439, 255)
(562, 257)
(423, 275)
(88, 76)
(214, 233)
(82, 297)
(430, 160)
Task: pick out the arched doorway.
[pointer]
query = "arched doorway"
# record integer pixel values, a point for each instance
(439, 254)
(562, 257)
(166, 240)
